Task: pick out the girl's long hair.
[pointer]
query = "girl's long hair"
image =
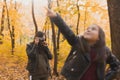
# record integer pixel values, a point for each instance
(99, 46)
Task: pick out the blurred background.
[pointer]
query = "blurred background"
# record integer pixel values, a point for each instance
(17, 28)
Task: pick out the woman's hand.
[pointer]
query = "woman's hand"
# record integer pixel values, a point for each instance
(36, 40)
(51, 13)
(44, 43)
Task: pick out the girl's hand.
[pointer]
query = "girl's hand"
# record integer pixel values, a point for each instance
(51, 13)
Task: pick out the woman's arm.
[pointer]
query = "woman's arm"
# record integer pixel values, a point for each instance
(30, 50)
(63, 27)
(49, 55)
(114, 65)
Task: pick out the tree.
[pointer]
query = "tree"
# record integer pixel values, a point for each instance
(2, 24)
(55, 72)
(11, 13)
(114, 16)
(33, 16)
(8, 22)
(78, 20)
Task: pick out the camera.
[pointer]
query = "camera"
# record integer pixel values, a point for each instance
(42, 39)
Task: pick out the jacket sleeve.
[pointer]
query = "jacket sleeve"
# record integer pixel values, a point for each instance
(114, 65)
(64, 29)
(30, 50)
(49, 55)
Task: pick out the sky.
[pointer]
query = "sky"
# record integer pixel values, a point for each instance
(39, 11)
(38, 2)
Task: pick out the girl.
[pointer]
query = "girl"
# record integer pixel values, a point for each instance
(89, 55)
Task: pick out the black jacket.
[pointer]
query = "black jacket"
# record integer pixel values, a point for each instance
(38, 60)
(77, 63)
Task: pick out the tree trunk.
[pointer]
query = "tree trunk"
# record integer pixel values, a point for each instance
(13, 39)
(13, 33)
(58, 35)
(78, 20)
(33, 16)
(10, 31)
(2, 24)
(55, 72)
(55, 49)
(2, 20)
(114, 16)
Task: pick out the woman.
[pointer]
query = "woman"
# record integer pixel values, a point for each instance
(89, 55)
(38, 58)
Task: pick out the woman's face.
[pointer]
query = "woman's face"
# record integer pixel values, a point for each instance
(40, 39)
(92, 33)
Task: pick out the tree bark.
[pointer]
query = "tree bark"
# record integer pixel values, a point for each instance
(55, 72)
(114, 17)
(2, 24)
(78, 20)
(10, 31)
(2, 20)
(33, 16)
(58, 35)
(13, 33)
(55, 49)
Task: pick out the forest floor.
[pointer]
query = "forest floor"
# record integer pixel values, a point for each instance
(13, 67)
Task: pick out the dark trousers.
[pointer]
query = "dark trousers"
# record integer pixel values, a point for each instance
(45, 78)
(37, 78)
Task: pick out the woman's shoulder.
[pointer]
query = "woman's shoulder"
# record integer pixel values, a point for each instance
(107, 50)
(30, 44)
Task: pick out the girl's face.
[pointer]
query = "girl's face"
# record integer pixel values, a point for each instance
(92, 33)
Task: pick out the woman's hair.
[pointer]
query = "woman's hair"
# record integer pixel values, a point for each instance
(38, 34)
(99, 46)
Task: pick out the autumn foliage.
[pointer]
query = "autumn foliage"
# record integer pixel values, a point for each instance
(78, 14)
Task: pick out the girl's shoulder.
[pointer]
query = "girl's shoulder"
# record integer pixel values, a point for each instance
(108, 51)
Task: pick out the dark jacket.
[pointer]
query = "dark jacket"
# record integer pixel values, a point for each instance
(38, 60)
(77, 63)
